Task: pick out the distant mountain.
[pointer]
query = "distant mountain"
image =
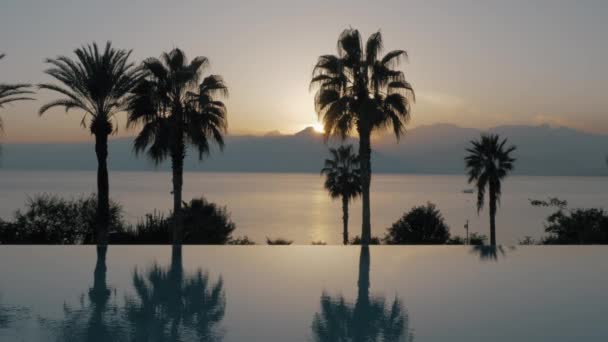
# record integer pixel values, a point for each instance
(436, 149)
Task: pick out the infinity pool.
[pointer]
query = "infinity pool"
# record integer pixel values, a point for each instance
(303, 293)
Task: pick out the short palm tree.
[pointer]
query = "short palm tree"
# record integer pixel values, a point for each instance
(174, 110)
(488, 162)
(343, 179)
(97, 83)
(357, 89)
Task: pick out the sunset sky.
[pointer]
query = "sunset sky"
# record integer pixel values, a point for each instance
(472, 63)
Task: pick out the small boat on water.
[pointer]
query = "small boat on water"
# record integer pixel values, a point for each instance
(468, 191)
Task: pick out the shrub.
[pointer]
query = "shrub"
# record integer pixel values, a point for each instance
(475, 239)
(278, 241)
(204, 223)
(49, 219)
(577, 226)
(241, 240)
(421, 225)
(356, 240)
(318, 243)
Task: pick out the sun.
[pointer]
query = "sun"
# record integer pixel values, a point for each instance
(318, 127)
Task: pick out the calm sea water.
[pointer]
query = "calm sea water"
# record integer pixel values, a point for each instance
(303, 293)
(295, 206)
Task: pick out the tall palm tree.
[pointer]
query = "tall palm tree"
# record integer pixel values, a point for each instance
(343, 179)
(359, 90)
(175, 110)
(12, 93)
(97, 83)
(488, 162)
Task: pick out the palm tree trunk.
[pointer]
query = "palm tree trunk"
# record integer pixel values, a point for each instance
(492, 216)
(177, 166)
(365, 157)
(103, 189)
(345, 219)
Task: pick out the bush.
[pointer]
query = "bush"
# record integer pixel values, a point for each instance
(241, 240)
(577, 226)
(356, 240)
(475, 239)
(49, 219)
(421, 225)
(278, 241)
(204, 223)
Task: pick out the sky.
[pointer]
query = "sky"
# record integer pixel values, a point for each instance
(472, 63)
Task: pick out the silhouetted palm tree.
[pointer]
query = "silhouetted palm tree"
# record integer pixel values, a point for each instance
(488, 163)
(368, 320)
(343, 179)
(97, 83)
(171, 304)
(175, 110)
(12, 93)
(359, 90)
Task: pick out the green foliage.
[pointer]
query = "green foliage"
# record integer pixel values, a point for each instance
(49, 219)
(278, 241)
(577, 226)
(421, 225)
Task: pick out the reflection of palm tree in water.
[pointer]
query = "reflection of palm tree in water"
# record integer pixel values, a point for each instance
(99, 321)
(368, 320)
(489, 253)
(173, 306)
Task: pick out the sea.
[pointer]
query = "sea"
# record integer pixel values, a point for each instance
(296, 207)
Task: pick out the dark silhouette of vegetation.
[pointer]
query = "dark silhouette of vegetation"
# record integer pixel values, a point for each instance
(488, 162)
(48, 219)
(241, 240)
(572, 226)
(204, 223)
(343, 180)
(357, 89)
(97, 83)
(374, 240)
(278, 242)
(474, 239)
(577, 226)
(175, 110)
(318, 243)
(528, 241)
(369, 319)
(98, 319)
(172, 305)
(422, 225)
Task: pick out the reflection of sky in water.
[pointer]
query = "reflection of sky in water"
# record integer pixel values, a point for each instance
(278, 293)
(296, 207)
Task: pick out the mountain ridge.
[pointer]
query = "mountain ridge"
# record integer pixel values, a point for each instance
(430, 149)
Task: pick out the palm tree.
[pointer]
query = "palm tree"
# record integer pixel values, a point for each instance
(96, 83)
(176, 110)
(12, 93)
(343, 179)
(488, 163)
(359, 90)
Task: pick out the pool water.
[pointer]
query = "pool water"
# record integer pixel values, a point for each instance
(303, 293)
